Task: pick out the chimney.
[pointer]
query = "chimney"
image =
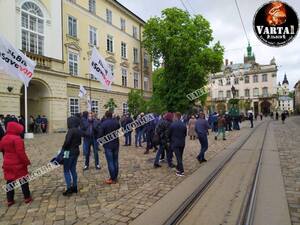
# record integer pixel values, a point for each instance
(226, 62)
(231, 62)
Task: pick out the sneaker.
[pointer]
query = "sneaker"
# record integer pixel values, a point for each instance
(85, 168)
(156, 166)
(161, 160)
(203, 160)
(109, 181)
(9, 204)
(68, 192)
(98, 167)
(28, 200)
(180, 174)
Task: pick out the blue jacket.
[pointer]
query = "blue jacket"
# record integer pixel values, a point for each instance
(107, 126)
(177, 134)
(202, 127)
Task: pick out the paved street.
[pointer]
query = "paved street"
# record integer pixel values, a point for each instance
(139, 187)
(288, 142)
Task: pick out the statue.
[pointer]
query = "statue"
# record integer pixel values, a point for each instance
(233, 90)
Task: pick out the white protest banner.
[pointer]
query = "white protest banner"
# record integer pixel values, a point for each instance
(14, 63)
(82, 92)
(100, 69)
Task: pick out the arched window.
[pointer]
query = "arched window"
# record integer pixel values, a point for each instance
(32, 28)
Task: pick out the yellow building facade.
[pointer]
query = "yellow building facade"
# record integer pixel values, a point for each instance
(59, 35)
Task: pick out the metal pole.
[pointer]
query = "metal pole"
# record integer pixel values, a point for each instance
(26, 116)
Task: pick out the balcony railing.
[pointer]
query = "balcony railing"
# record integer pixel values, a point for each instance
(42, 62)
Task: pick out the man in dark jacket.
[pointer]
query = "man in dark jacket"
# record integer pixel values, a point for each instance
(149, 130)
(127, 135)
(71, 153)
(88, 128)
(177, 141)
(163, 129)
(202, 127)
(251, 119)
(111, 147)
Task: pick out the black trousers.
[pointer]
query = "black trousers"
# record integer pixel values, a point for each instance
(25, 190)
(178, 153)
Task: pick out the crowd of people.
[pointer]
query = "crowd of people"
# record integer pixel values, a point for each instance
(165, 134)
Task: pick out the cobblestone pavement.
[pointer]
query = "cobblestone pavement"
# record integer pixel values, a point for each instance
(139, 187)
(288, 142)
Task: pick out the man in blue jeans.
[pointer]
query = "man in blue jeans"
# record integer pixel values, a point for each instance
(111, 148)
(201, 128)
(88, 127)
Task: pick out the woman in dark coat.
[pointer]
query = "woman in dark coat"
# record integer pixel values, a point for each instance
(15, 160)
(71, 153)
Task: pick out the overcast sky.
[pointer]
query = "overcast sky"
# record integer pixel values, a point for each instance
(225, 22)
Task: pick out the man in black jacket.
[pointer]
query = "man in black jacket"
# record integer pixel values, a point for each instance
(177, 141)
(111, 146)
(71, 153)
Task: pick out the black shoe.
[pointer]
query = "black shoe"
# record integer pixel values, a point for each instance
(180, 174)
(216, 138)
(224, 139)
(68, 192)
(74, 190)
(172, 166)
(203, 160)
(156, 166)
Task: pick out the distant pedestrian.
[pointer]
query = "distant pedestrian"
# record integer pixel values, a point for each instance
(283, 117)
(177, 141)
(128, 135)
(44, 124)
(250, 117)
(191, 126)
(71, 153)
(228, 120)
(261, 116)
(202, 127)
(221, 127)
(277, 115)
(15, 161)
(111, 148)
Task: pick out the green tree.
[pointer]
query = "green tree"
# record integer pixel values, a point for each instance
(185, 45)
(110, 105)
(136, 102)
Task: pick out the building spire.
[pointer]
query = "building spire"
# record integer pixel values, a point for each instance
(285, 80)
(249, 50)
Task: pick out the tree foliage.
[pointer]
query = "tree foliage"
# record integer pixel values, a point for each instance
(185, 45)
(110, 105)
(136, 102)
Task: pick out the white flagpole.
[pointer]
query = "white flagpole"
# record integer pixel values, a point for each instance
(26, 116)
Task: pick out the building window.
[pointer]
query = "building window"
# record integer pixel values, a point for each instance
(109, 16)
(124, 77)
(95, 106)
(92, 6)
(220, 94)
(236, 80)
(237, 93)
(228, 82)
(134, 32)
(146, 83)
(255, 92)
(255, 79)
(220, 82)
(135, 80)
(135, 55)
(145, 60)
(123, 50)
(246, 79)
(32, 28)
(265, 78)
(228, 94)
(123, 24)
(247, 93)
(72, 26)
(125, 108)
(73, 63)
(111, 66)
(73, 106)
(93, 36)
(110, 43)
(265, 91)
